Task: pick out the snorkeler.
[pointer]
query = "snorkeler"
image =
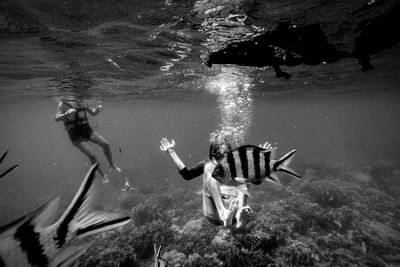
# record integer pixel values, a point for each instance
(222, 204)
(74, 115)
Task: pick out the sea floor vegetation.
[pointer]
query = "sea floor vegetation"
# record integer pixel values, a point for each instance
(336, 215)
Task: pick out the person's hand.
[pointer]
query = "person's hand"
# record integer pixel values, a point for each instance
(267, 145)
(166, 145)
(243, 216)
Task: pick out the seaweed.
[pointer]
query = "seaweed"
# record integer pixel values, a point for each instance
(332, 217)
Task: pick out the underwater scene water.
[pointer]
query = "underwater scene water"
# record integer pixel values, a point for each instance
(143, 61)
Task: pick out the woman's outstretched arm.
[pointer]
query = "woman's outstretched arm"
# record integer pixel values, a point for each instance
(186, 173)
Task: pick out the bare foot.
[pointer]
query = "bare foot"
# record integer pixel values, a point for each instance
(114, 167)
(105, 179)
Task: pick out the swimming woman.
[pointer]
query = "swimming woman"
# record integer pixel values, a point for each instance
(222, 204)
(73, 113)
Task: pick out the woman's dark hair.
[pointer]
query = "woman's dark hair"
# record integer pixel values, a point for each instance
(215, 151)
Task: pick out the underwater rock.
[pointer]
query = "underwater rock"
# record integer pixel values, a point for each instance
(326, 194)
(193, 226)
(128, 201)
(223, 236)
(362, 177)
(14, 19)
(385, 176)
(385, 233)
(298, 253)
(145, 213)
(174, 258)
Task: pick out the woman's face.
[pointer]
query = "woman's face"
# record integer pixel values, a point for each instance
(219, 151)
(223, 149)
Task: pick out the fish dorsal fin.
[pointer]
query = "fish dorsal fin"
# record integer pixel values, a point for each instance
(68, 255)
(248, 147)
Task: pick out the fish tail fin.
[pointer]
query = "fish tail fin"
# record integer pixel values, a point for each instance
(78, 220)
(3, 156)
(10, 169)
(68, 255)
(282, 164)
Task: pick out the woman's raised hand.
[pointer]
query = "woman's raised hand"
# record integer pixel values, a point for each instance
(166, 145)
(267, 145)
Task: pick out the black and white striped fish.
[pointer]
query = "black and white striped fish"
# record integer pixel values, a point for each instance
(251, 164)
(158, 260)
(255, 241)
(31, 241)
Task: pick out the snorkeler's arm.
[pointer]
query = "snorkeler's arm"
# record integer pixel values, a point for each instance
(187, 174)
(61, 113)
(196, 171)
(184, 172)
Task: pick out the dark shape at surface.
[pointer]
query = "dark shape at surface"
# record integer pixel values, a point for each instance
(8, 170)
(368, 5)
(286, 45)
(376, 35)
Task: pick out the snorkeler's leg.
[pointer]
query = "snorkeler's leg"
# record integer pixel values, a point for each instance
(87, 150)
(101, 141)
(244, 212)
(225, 214)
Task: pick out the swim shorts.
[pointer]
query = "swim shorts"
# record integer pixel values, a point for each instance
(80, 133)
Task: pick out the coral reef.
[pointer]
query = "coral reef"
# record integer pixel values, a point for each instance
(337, 215)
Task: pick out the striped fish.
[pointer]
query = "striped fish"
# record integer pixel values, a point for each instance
(254, 242)
(9, 169)
(158, 260)
(31, 241)
(252, 164)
